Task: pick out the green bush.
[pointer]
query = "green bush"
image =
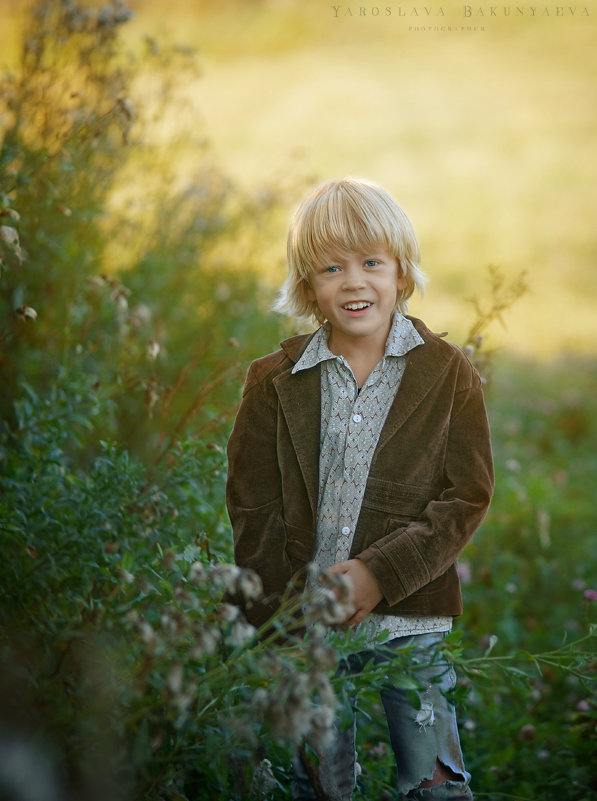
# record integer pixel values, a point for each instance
(138, 287)
(123, 665)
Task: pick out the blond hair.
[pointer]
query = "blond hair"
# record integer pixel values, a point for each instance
(350, 215)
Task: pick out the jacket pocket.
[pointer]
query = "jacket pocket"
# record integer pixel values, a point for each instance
(404, 502)
(300, 543)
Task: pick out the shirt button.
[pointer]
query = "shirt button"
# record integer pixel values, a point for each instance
(357, 418)
(346, 530)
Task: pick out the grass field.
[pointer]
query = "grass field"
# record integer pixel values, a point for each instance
(485, 137)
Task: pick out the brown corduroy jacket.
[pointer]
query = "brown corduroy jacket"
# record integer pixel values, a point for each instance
(429, 486)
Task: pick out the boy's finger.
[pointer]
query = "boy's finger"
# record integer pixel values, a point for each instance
(339, 567)
(357, 618)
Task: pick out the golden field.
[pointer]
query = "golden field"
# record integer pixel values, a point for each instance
(480, 120)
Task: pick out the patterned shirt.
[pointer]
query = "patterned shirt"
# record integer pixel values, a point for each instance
(351, 422)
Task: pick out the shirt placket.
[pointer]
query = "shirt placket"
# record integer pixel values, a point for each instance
(339, 499)
(355, 465)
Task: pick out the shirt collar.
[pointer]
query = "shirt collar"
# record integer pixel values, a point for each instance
(403, 337)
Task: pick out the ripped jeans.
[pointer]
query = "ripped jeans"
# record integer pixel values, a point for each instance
(419, 737)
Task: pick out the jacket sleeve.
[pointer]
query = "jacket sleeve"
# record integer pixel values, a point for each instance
(410, 556)
(254, 495)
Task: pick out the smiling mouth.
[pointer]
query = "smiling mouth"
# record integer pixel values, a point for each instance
(357, 306)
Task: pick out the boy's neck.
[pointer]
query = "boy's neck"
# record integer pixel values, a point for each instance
(362, 353)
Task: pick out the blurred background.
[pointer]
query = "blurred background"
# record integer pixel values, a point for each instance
(482, 127)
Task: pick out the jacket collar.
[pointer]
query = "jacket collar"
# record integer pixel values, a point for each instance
(300, 398)
(295, 346)
(402, 338)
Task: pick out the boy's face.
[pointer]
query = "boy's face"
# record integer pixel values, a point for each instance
(357, 294)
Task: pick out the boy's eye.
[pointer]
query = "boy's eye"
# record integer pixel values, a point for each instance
(371, 263)
(331, 269)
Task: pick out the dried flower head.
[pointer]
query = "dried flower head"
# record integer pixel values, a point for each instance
(196, 572)
(26, 313)
(321, 724)
(206, 641)
(241, 632)
(228, 613)
(152, 393)
(180, 594)
(152, 350)
(527, 732)
(146, 631)
(132, 617)
(9, 236)
(12, 214)
(322, 656)
(119, 295)
(140, 315)
(174, 679)
(249, 585)
(183, 700)
(125, 576)
(96, 280)
(330, 598)
(225, 576)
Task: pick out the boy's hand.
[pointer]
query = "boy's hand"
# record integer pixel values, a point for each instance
(366, 589)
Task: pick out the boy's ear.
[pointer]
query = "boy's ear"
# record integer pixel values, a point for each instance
(309, 292)
(401, 283)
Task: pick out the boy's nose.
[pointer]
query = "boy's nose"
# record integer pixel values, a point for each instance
(353, 279)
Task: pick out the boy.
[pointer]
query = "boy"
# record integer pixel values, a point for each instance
(364, 448)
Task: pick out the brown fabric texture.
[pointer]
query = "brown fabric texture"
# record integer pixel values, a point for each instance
(429, 486)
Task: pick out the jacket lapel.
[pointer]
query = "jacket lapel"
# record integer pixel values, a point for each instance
(426, 363)
(300, 398)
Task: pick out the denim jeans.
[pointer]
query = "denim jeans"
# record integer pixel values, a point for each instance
(419, 737)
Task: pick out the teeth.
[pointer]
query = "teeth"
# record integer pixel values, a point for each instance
(357, 306)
